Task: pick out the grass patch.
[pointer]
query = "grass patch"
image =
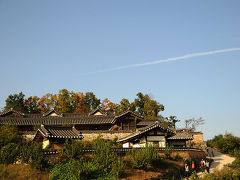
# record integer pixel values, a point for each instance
(21, 171)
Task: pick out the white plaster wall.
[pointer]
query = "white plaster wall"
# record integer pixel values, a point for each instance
(45, 143)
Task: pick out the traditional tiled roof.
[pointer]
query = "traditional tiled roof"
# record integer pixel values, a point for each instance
(53, 111)
(58, 132)
(11, 110)
(52, 120)
(146, 122)
(181, 135)
(66, 118)
(98, 109)
(143, 130)
(129, 112)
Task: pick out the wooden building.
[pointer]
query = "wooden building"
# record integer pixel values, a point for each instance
(96, 120)
(55, 136)
(156, 135)
(130, 128)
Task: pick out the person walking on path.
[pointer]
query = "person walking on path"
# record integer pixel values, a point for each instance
(186, 169)
(193, 166)
(210, 152)
(207, 166)
(202, 166)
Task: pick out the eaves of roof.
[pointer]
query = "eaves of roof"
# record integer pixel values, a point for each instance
(144, 130)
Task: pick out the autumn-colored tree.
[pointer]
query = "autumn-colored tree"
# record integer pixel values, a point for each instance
(77, 102)
(31, 104)
(47, 102)
(107, 105)
(16, 101)
(68, 102)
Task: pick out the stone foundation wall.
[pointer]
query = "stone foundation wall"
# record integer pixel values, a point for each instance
(87, 136)
(197, 141)
(104, 135)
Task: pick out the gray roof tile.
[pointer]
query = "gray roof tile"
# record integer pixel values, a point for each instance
(59, 132)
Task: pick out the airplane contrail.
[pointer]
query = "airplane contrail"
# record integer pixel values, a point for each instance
(187, 56)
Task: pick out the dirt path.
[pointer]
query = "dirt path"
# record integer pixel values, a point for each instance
(220, 160)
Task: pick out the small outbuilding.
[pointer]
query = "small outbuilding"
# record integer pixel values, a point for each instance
(55, 136)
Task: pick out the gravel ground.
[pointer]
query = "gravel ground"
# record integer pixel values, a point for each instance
(220, 160)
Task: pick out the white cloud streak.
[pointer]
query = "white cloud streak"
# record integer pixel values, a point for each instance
(187, 56)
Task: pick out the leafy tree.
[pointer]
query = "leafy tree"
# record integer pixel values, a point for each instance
(9, 153)
(63, 101)
(226, 143)
(74, 149)
(8, 134)
(147, 107)
(16, 101)
(90, 101)
(139, 103)
(77, 102)
(107, 105)
(47, 102)
(124, 106)
(140, 158)
(9, 143)
(172, 121)
(105, 159)
(32, 105)
(37, 156)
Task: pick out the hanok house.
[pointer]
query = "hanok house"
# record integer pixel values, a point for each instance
(156, 135)
(56, 136)
(129, 128)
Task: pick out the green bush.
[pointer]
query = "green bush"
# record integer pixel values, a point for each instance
(9, 153)
(140, 158)
(236, 163)
(105, 164)
(194, 176)
(8, 134)
(32, 153)
(225, 174)
(37, 156)
(168, 151)
(25, 152)
(228, 143)
(107, 160)
(73, 149)
(103, 156)
(62, 171)
(82, 170)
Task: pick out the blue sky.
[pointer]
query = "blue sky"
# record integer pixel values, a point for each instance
(50, 45)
